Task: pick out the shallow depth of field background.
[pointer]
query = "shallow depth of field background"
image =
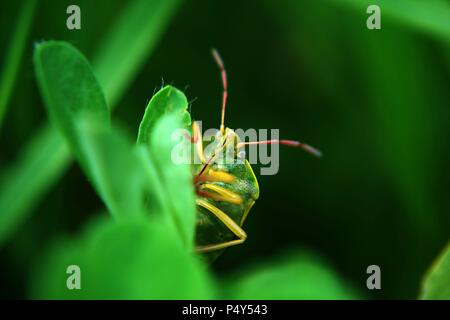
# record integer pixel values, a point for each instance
(375, 102)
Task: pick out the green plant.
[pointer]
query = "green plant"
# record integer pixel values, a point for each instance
(137, 252)
(375, 100)
(437, 280)
(46, 157)
(14, 55)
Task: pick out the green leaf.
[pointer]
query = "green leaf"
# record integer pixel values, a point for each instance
(69, 88)
(14, 54)
(165, 113)
(115, 169)
(294, 276)
(436, 284)
(165, 101)
(71, 93)
(75, 101)
(174, 172)
(130, 41)
(52, 158)
(135, 259)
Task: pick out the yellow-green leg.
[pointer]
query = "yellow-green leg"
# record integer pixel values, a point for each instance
(228, 222)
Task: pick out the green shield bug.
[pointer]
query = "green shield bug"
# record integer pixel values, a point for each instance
(226, 190)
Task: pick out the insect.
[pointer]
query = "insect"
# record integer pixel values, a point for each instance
(225, 191)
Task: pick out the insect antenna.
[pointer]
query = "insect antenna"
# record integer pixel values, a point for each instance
(223, 73)
(289, 143)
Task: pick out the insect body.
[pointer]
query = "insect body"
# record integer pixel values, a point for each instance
(225, 194)
(226, 190)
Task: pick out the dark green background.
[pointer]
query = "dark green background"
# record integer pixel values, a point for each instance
(375, 102)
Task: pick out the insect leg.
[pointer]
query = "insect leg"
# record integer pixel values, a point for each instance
(198, 140)
(290, 143)
(228, 222)
(244, 216)
(222, 194)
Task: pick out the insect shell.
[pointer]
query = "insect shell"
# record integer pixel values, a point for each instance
(226, 190)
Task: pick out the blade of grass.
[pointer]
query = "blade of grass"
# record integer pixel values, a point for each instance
(16, 206)
(401, 99)
(431, 16)
(115, 77)
(400, 93)
(14, 55)
(42, 162)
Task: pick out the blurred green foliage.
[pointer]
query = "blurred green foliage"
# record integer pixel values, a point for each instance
(129, 260)
(375, 101)
(14, 54)
(52, 157)
(150, 253)
(435, 284)
(294, 275)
